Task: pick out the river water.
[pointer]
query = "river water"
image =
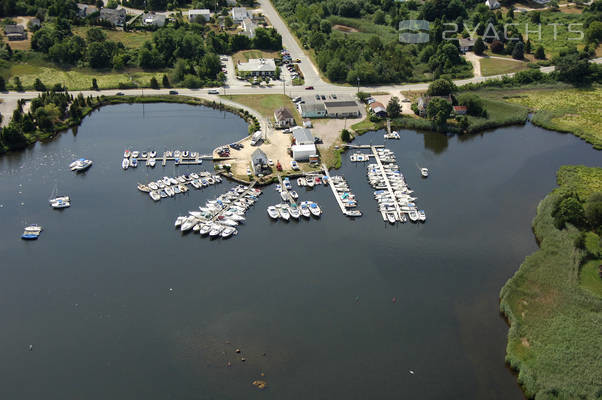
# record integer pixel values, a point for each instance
(118, 304)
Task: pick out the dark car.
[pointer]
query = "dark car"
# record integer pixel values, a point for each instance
(173, 92)
(317, 140)
(120, 94)
(309, 88)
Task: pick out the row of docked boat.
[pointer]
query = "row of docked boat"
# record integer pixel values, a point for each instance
(392, 135)
(220, 217)
(312, 180)
(359, 157)
(344, 194)
(286, 211)
(170, 186)
(133, 162)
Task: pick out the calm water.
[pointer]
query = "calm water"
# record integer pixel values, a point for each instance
(93, 294)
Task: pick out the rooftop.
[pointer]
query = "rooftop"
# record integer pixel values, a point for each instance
(14, 29)
(258, 65)
(302, 135)
(283, 113)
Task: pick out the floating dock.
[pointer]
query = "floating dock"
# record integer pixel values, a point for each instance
(398, 211)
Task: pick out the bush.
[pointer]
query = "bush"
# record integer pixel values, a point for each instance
(18, 84)
(39, 86)
(441, 87)
(591, 243)
(473, 104)
(362, 96)
(153, 83)
(540, 53)
(166, 83)
(127, 85)
(345, 136)
(94, 84)
(568, 209)
(192, 82)
(479, 46)
(497, 47)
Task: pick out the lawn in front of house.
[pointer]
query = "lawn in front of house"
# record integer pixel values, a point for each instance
(497, 66)
(266, 104)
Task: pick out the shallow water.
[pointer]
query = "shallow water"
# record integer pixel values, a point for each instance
(93, 294)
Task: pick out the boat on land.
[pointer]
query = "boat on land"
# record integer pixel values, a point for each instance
(31, 232)
(273, 212)
(80, 165)
(424, 172)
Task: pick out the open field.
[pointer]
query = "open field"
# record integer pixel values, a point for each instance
(554, 336)
(496, 66)
(589, 278)
(266, 104)
(363, 28)
(568, 110)
(133, 39)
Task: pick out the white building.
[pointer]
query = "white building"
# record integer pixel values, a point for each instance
(492, 4)
(258, 67)
(248, 28)
(202, 13)
(303, 152)
(239, 14)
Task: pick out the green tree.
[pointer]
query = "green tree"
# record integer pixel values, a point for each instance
(518, 53)
(99, 55)
(345, 136)
(540, 53)
(166, 83)
(2, 84)
(39, 86)
(438, 110)
(95, 35)
(94, 84)
(473, 103)
(394, 107)
(528, 46)
(441, 87)
(336, 70)
(536, 17)
(18, 84)
(228, 22)
(13, 138)
(568, 210)
(153, 83)
(325, 26)
(593, 33)
(479, 46)
(593, 211)
(362, 96)
(379, 17)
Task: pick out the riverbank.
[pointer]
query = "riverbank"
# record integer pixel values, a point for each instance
(91, 104)
(554, 337)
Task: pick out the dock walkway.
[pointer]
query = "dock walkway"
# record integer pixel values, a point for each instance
(334, 190)
(387, 183)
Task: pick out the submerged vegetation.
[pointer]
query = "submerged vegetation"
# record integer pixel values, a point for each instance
(554, 315)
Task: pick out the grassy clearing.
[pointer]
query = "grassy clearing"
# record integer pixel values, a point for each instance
(554, 339)
(496, 66)
(266, 104)
(590, 278)
(364, 28)
(133, 39)
(500, 113)
(572, 110)
(78, 78)
(246, 55)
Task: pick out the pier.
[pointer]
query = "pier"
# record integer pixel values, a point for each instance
(285, 190)
(387, 183)
(334, 191)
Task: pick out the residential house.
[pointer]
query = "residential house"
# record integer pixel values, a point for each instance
(466, 44)
(259, 163)
(15, 32)
(460, 110)
(378, 109)
(239, 14)
(152, 19)
(492, 4)
(248, 28)
(284, 118)
(313, 110)
(115, 17)
(195, 15)
(230, 3)
(85, 10)
(342, 109)
(258, 67)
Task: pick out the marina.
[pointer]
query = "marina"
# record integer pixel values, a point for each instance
(150, 158)
(170, 186)
(291, 208)
(340, 189)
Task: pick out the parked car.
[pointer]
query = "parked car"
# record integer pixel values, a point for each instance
(334, 96)
(270, 162)
(309, 88)
(294, 165)
(173, 92)
(317, 140)
(213, 91)
(297, 60)
(405, 100)
(120, 94)
(317, 97)
(323, 97)
(296, 99)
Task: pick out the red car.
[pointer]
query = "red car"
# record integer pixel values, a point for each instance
(309, 88)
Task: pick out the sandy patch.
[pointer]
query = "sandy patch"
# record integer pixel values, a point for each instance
(525, 342)
(344, 28)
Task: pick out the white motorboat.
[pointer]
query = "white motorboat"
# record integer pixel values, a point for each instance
(273, 212)
(354, 213)
(133, 162)
(310, 182)
(294, 212)
(173, 181)
(194, 176)
(226, 221)
(188, 223)
(294, 194)
(205, 229)
(301, 182)
(414, 216)
(155, 195)
(31, 232)
(234, 216)
(424, 172)
(127, 154)
(176, 189)
(152, 154)
(151, 162)
(169, 191)
(60, 202)
(284, 214)
(135, 154)
(195, 184)
(421, 215)
(183, 188)
(153, 186)
(304, 208)
(125, 163)
(228, 231)
(284, 196)
(166, 181)
(391, 217)
(314, 209)
(80, 165)
(144, 154)
(216, 229)
(179, 221)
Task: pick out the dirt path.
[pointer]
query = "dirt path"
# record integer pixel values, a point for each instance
(476, 63)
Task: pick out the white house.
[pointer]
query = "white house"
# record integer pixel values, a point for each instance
(258, 67)
(492, 4)
(248, 28)
(202, 13)
(304, 146)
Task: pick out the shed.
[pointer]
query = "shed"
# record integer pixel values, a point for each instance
(303, 152)
(378, 109)
(284, 118)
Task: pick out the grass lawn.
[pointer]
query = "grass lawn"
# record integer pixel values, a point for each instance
(589, 277)
(554, 336)
(246, 55)
(133, 39)
(496, 66)
(364, 28)
(266, 104)
(569, 110)
(77, 78)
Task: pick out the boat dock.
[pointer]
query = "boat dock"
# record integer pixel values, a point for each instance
(344, 188)
(334, 190)
(289, 198)
(388, 184)
(240, 196)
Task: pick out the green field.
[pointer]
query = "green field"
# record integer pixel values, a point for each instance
(133, 39)
(266, 104)
(590, 278)
(568, 110)
(365, 28)
(554, 336)
(496, 66)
